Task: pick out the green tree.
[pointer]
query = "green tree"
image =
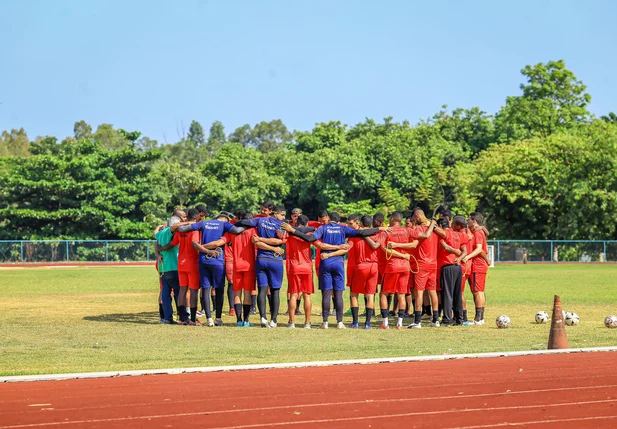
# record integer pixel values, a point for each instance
(217, 137)
(196, 134)
(82, 130)
(271, 136)
(111, 138)
(14, 143)
(242, 135)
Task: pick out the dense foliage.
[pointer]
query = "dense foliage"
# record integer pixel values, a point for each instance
(541, 167)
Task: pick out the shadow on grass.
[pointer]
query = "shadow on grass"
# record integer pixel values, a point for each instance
(146, 318)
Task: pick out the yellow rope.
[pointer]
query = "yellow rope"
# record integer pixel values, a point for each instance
(417, 265)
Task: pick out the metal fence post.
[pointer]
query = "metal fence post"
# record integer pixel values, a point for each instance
(552, 252)
(107, 251)
(66, 249)
(147, 251)
(22, 250)
(498, 251)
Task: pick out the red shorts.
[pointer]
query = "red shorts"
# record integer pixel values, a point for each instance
(300, 283)
(395, 282)
(244, 280)
(410, 283)
(364, 279)
(229, 272)
(189, 278)
(478, 282)
(425, 280)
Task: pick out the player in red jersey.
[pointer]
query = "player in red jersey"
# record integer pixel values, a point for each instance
(378, 222)
(299, 274)
(295, 214)
(396, 275)
(229, 270)
(364, 277)
(479, 265)
(413, 270)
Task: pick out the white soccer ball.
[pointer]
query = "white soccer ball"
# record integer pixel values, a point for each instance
(541, 317)
(610, 321)
(503, 322)
(572, 319)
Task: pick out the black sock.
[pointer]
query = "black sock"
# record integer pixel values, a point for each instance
(182, 312)
(275, 302)
(369, 315)
(230, 295)
(238, 310)
(325, 304)
(161, 312)
(465, 316)
(338, 297)
(385, 312)
(389, 302)
(417, 316)
(401, 314)
(354, 314)
(478, 316)
(219, 300)
(298, 302)
(246, 309)
(365, 302)
(253, 301)
(482, 313)
(428, 310)
(193, 314)
(261, 301)
(435, 316)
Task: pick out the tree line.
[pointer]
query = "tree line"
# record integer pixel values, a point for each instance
(542, 167)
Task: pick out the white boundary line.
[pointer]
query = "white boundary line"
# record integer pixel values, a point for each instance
(87, 375)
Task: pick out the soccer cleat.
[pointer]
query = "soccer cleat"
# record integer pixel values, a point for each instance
(324, 325)
(252, 312)
(200, 313)
(479, 322)
(435, 324)
(273, 324)
(218, 322)
(210, 322)
(367, 326)
(264, 323)
(239, 324)
(286, 313)
(382, 326)
(291, 325)
(307, 326)
(232, 312)
(247, 324)
(353, 325)
(340, 325)
(298, 313)
(407, 315)
(168, 322)
(414, 326)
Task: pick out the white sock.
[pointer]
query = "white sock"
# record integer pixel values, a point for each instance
(385, 321)
(400, 321)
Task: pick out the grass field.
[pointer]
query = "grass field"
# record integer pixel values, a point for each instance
(103, 319)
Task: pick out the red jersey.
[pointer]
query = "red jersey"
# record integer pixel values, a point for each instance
(316, 225)
(243, 250)
(229, 257)
(427, 249)
(351, 258)
(363, 252)
(454, 239)
(399, 234)
(478, 264)
(381, 237)
(188, 256)
(298, 256)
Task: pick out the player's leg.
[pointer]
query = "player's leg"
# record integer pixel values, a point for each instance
(400, 290)
(238, 278)
(308, 289)
(479, 284)
(254, 301)
(338, 284)
(325, 284)
(248, 285)
(293, 301)
(205, 277)
(370, 288)
(262, 291)
(218, 276)
(447, 279)
(384, 301)
(355, 308)
(419, 286)
(275, 274)
(193, 277)
(166, 291)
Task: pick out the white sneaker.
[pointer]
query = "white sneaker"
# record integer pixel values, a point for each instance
(307, 326)
(264, 323)
(341, 325)
(324, 325)
(210, 322)
(291, 325)
(479, 323)
(272, 324)
(435, 324)
(200, 313)
(415, 326)
(218, 322)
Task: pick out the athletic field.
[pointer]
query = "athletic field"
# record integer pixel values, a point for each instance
(106, 319)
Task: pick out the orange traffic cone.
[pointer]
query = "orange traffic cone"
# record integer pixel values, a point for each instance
(557, 338)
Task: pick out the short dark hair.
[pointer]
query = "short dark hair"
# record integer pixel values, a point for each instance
(460, 220)
(240, 213)
(303, 220)
(477, 216)
(352, 217)
(279, 209)
(177, 212)
(192, 214)
(268, 204)
(379, 216)
(322, 213)
(409, 217)
(366, 221)
(245, 215)
(446, 213)
(396, 216)
(442, 222)
(335, 217)
(201, 208)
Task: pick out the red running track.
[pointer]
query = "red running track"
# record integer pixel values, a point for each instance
(531, 391)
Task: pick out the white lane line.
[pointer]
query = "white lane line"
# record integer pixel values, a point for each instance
(538, 422)
(202, 413)
(54, 377)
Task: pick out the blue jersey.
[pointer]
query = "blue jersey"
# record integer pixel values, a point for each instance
(334, 234)
(212, 230)
(268, 227)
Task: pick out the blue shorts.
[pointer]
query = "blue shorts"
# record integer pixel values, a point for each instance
(269, 273)
(211, 276)
(332, 274)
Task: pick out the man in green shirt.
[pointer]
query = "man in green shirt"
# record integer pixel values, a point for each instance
(168, 270)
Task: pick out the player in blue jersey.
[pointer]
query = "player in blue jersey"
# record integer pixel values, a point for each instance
(332, 269)
(269, 264)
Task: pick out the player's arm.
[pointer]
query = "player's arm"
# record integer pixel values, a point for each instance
(202, 249)
(429, 231)
(449, 249)
(263, 246)
(484, 230)
(269, 241)
(475, 253)
(394, 253)
(365, 232)
(165, 247)
(332, 247)
(157, 229)
(372, 244)
(485, 257)
(439, 231)
(462, 255)
(214, 244)
(411, 245)
(340, 252)
(311, 238)
(175, 226)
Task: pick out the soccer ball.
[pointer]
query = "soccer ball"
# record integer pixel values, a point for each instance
(503, 321)
(572, 319)
(541, 317)
(610, 321)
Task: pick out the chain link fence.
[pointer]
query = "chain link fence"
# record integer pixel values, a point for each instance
(57, 251)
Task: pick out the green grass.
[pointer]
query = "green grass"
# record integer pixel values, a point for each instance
(102, 319)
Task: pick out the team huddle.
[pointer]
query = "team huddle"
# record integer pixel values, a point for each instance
(417, 266)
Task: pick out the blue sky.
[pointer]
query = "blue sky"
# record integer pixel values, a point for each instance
(154, 65)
